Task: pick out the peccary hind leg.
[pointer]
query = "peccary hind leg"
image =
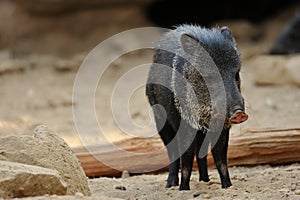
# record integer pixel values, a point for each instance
(219, 152)
(202, 162)
(167, 135)
(186, 141)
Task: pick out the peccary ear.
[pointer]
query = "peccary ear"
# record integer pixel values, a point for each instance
(226, 32)
(189, 43)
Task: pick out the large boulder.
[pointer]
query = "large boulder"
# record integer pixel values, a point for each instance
(46, 149)
(21, 180)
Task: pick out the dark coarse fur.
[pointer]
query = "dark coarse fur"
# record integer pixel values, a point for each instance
(288, 41)
(220, 45)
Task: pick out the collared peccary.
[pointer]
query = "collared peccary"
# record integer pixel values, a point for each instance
(288, 41)
(182, 125)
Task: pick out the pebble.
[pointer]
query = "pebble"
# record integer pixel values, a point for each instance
(243, 178)
(234, 177)
(293, 187)
(297, 192)
(79, 195)
(125, 174)
(206, 196)
(196, 194)
(284, 190)
(120, 187)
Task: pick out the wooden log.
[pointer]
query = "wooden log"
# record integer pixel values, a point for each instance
(256, 146)
(136, 155)
(265, 146)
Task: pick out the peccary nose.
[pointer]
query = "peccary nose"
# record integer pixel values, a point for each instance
(238, 116)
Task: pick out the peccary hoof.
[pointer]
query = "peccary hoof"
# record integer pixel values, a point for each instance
(172, 181)
(204, 179)
(184, 187)
(226, 185)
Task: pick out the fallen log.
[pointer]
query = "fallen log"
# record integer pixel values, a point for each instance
(256, 146)
(265, 146)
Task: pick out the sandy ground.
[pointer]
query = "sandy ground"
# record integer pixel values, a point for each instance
(37, 89)
(262, 182)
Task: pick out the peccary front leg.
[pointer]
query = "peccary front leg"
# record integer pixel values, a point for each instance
(186, 168)
(202, 162)
(173, 179)
(219, 152)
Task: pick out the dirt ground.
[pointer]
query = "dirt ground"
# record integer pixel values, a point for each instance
(37, 89)
(262, 182)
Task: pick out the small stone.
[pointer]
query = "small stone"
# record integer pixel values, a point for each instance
(196, 194)
(284, 190)
(79, 194)
(206, 196)
(120, 187)
(297, 192)
(41, 129)
(125, 174)
(234, 177)
(293, 187)
(243, 178)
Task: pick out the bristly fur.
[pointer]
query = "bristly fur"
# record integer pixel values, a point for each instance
(221, 48)
(195, 80)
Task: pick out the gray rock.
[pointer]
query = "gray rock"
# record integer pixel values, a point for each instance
(198, 193)
(45, 149)
(21, 180)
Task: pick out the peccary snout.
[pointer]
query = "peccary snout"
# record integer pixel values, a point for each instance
(237, 116)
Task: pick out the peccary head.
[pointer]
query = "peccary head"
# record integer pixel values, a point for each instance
(218, 45)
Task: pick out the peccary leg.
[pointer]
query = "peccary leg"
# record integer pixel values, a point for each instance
(173, 179)
(186, 140)
(219, 152)
(202, 162)
(186, 168)
(167, 135)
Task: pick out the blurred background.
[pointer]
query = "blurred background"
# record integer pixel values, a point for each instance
(43, 43)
